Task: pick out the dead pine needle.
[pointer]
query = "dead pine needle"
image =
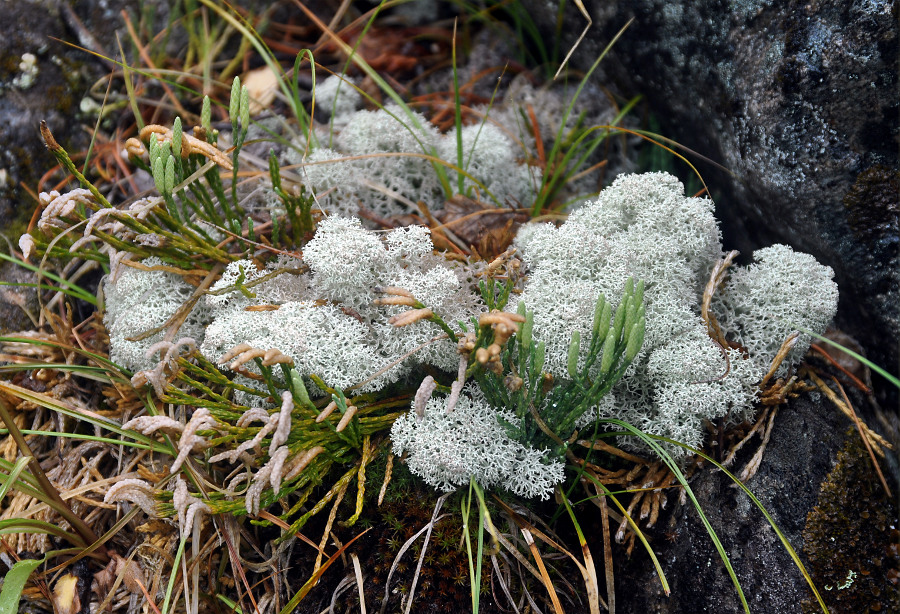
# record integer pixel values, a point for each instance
(868, 444)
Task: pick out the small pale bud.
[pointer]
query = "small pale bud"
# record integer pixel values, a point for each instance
(134, 147)
(502, 333)
(234, 102)
(394, 290)
(409, 317)
(609, 348)
(329, 409)
(513, 383)
(206, 114)
(240, 348)
(396, 300)
(26, 244)
(423, 394)
(345, 420)
(574, 348)
(301, 463)
(482, 356)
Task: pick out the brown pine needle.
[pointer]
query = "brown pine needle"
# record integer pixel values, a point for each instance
(856, 381)
(538, 141)
(871, 435)
(865, 439)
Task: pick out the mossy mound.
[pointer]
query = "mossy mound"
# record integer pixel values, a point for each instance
(852, 538)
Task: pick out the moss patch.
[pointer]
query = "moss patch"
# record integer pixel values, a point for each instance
(851, 538)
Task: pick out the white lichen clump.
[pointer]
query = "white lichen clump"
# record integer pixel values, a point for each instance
(321, 312)
(337, 95)
(781, 292)
(347, 340)
(644, 227)
(384, 160)
(447, 447)
(142, 300)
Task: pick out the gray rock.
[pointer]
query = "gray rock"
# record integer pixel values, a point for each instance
(799, 100)
(45, 79)
(18, 304)
(801, 452)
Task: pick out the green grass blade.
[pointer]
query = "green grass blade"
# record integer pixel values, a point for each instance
(663, 455)
(589, 570)
(758, 503)
(67, 287)
(891, 378)
(541, 200)
(14, 473)
(173, 576)
(79, 414)
(14, 582)
(81, 437)
(12, 526)
(26, 480)
(474, 573)
(63, 367)
(247, 31)
(383, 86)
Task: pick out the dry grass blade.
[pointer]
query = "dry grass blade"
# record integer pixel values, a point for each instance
(331, 518)
(607, 557)
(145, 56)
(430, 527)
(545, 577)
(786, 346)
(387, 478)
(753, 465)
(511, 548)
(605, 447)
(834, 363)
(590, 22)
(427, 528)
(716, 277)
(83, 530)
(588, 573)
(304, 590)
(357, 571)
(729, 458)
(230, 530)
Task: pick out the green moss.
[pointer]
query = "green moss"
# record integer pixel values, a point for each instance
(851, 538)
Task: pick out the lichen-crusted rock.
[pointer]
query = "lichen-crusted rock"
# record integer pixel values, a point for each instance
(800, 101)
(42, 79)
